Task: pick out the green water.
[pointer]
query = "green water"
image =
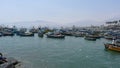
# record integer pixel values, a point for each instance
(71, 52)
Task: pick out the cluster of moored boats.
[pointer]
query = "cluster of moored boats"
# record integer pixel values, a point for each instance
(88, 33)
(110, 32)
(50, 33)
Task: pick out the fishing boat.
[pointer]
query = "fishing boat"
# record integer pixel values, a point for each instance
(67, 33)
(96, 36)
(40, 34)
(79, 34)
(114, 46)
(5, 33)
(108, 37)
(0, 34)
(118, 41)
(54, 35)
(26, 34)
(90, 38)
(33, 30)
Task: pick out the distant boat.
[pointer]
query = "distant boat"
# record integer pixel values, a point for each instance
(33, 30)
(108, 37)
(67, 33)
(40, 34)
(118, 41)
(90, 38)
(52, 35)
(26, 34)
(96, 36)
(4, 33)
(55, 36)
(78, 34)
(0, 34)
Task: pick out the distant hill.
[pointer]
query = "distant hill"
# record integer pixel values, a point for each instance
(55, 24)
(113, 18)
(87, 23)
(31, 23)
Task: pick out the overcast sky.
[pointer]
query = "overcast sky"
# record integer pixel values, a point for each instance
(59, 11)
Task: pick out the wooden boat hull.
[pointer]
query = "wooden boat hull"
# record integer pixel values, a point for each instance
(112, 47)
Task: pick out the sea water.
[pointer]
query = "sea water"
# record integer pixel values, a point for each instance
(71, 52)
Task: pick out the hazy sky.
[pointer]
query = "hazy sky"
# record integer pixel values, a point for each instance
(59, 11)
